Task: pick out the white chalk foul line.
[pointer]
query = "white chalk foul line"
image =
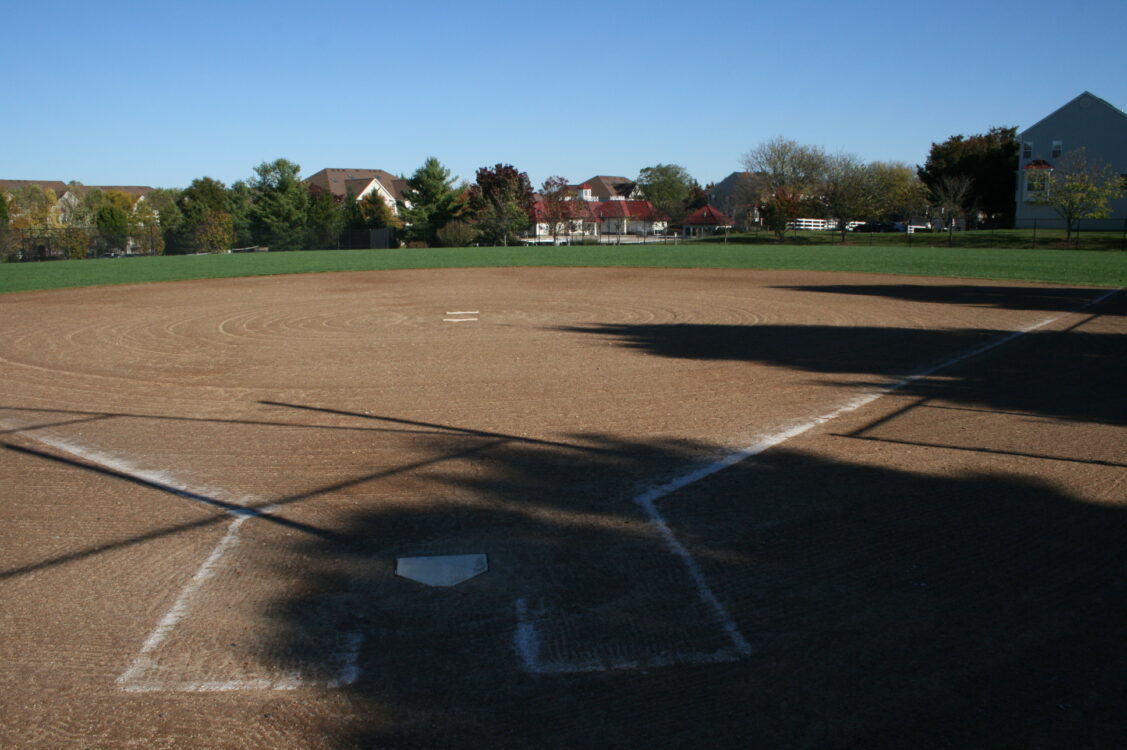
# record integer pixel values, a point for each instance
(134, 678)
(458, 320)
(526, 639)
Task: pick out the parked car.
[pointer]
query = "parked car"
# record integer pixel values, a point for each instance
(880, 226)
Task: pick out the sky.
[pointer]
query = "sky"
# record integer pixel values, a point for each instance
(144, 93)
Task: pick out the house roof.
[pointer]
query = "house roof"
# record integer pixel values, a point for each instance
(139, 191)
(338, 181)
(571, 209)
(1088, 97)
(621, 209)
(56, 186)
(606, 187)
(708, 216)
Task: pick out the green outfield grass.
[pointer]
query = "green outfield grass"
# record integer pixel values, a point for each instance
(1093, 268)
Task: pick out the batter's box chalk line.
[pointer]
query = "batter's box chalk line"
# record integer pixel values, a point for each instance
(528, 639)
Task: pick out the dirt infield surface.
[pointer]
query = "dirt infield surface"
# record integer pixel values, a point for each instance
(722, 509)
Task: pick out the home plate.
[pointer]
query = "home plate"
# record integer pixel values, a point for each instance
(441, 570)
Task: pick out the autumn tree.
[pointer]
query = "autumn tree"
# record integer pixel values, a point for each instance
(34, 207)
(501, 203)
(556, 193)
(376, 214)
(430, 201)
(788, 176)
(206, 224)
(849, 191)
(3, 210)
(1079, 187)
(902, 194)
(781, 162)
(987, 162)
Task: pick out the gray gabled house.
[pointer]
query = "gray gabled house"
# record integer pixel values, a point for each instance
(1087, 121)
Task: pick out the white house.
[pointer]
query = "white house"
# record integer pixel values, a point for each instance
(360, 183)
(1086, 122)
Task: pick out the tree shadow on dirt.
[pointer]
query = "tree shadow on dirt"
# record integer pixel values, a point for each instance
(885, 608)
(1064, 374)
(1049, 299)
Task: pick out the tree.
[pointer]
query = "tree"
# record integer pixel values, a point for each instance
(429, 202)
(1078, 187)
(849, 191)
(457, 233)
(778, 207)
(3, 210)
(113, 226)
(988, 160)
(901, 193)
(206, 224)
(501, 203)
(788, 176)
(239, 199)
(669, 187)
(35, 207)
(784, 163)
(951, 194)
(556, 192)
(215, 233)
(326, 218)
(279, 205)
(163, 202)
(376, 214)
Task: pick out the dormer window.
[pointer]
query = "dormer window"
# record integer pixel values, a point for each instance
(1057, 148)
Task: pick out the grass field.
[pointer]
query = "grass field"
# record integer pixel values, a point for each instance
(1053, 266)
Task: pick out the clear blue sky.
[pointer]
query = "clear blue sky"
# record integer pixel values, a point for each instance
(151, 93)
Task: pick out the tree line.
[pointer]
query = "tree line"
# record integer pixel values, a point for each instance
(966, 178)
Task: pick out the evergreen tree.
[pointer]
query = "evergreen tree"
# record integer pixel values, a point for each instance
(279, 207)
(326, 219)
(3, 210)
(429, 202)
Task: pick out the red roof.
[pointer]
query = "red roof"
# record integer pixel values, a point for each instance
(1038, 164)
(571, 210)
(708, 216)
(642, 210)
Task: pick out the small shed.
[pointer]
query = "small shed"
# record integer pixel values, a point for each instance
(705, 221)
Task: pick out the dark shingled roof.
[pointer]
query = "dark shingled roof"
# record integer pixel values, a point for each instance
(337, 181)
(56, 186)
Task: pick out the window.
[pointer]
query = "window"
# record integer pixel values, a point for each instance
(1057, 148)
(1036, 183)
(1027, 150)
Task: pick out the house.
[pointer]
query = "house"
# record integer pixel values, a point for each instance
(609, 188)
(735, 195)
(360, 183)
(580, 220)
(620, 216)
(704, 221)
(1086, 122)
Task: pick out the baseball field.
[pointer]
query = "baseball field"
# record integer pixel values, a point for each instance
(721, 508)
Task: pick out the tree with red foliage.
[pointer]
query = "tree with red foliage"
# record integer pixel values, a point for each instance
(501, 203)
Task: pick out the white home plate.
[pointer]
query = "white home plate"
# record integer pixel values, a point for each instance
(441, 570)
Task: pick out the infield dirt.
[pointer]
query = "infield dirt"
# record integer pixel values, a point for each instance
(205, 487)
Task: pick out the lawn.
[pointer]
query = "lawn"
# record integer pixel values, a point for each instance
(1084, 267)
